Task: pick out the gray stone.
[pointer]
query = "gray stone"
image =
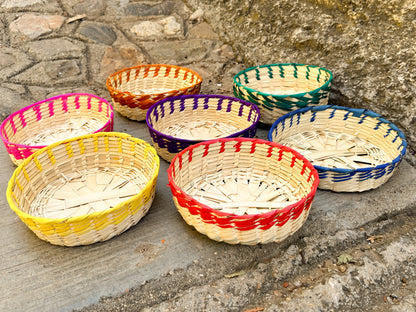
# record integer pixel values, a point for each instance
(143, 9)
(12, 99)
(179, 52)
(91, 8)
(12, 61)
(53, 73)
(118, 57)
(33, 26)
(51, 49)
(156, 29)
(202, 31)
(100, 33)
(20, 3)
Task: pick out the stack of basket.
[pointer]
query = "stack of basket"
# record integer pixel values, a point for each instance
(78, 182)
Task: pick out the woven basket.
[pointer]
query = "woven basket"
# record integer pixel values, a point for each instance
(354, 150)
(86, 189)
(178, 122)
(279, 88)
(241, 190)
(52, 120)
(135, 89)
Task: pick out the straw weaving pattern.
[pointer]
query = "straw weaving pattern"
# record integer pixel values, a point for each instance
(242, 190)
(135, 89)
(178, 122)
(86, 189)
(353, 150)
(54, 119)
(279, 88)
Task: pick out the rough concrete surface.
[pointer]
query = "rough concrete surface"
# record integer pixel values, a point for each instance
(356, 252)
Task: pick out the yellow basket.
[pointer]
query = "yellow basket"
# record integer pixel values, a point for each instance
(86, 189)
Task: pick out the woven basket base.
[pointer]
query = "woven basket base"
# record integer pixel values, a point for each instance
(336, 150)
(72, 128)
(96, 233)
(242, 194)
(84, 192)
(250, 237)
(200, 130)
(134, 113)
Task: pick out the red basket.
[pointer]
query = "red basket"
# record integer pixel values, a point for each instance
(241, 190)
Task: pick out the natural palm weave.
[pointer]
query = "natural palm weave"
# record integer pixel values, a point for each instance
(177, 122)
(242, 190)
(86, 189)
(135, 89)
(353, 150)
(52, 120)
(279, 88)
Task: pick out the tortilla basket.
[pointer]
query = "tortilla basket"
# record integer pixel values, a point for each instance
(52, 120)
(279, 88)
(85, 190)
(177, 122)
(242, 190)
(135, 89)
(354, 150)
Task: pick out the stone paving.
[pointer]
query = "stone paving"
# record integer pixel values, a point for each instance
(55, 47)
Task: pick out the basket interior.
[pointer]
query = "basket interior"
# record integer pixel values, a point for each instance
(154, 80)
(202, 118)
(74, 179)
(56, 120)
(284, 79)
(243, 182)
(334, 141)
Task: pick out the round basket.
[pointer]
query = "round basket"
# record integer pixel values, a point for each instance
(52, 120)
(86, 189)
(279, 88)
(241, 190)
(178, 122)
(135, 89)
(354, 150)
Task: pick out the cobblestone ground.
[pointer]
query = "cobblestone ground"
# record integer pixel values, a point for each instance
(55, 47)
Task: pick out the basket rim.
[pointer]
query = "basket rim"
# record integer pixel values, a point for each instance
(355, 112)
(115, 90)
(281, 96)
(43, 220)
(270, 213)
(5, 121)
(209, 96)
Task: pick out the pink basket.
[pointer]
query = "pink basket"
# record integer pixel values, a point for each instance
(57, 118)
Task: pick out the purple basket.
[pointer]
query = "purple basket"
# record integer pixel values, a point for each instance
(178, 122)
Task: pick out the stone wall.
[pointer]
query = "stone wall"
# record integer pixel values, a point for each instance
(368, 45)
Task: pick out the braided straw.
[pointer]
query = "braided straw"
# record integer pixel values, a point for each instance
(178, 122)
(241, 190)
(52, 120)
(279, 88)
(86, 189)
(135, 89)
(354, 150)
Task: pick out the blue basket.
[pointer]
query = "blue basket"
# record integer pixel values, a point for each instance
(301, 127)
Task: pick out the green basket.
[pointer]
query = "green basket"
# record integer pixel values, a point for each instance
(280, 88)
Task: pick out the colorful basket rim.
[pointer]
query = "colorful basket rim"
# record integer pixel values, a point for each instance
(238, 83)
(209, 96)
(42, 220)
(356, 112)
(249, 216)
(6, 141)
(113, 89)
